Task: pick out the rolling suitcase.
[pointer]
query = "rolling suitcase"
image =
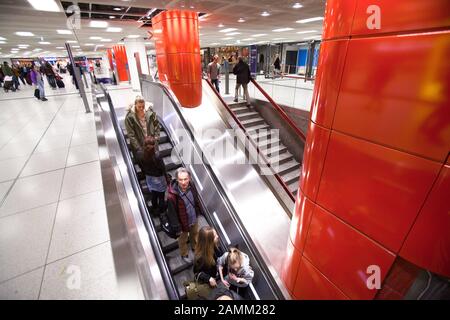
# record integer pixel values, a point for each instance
(8, 84)
(60, 83)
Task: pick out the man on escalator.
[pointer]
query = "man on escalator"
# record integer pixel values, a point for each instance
(243, 76)
(183, 201)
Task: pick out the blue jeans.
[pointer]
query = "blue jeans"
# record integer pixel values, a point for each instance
(216, 84)
(40, 86)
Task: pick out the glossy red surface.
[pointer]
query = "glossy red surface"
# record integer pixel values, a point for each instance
(120, 57)
(338, 18)
(394, 92)
(290, 267)
(178, 54)
(313, 285)
(402, 15)
(328, 81)
(428, 243)
(377, 190)
(313, 159)
(343, 254)
(301, 219)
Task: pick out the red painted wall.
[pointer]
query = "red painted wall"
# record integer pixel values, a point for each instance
(375, 182)
(178, 54)
(120, 55)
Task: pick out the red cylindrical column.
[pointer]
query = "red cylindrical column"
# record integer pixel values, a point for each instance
(375, 171)
(178, 54)
(120, 56)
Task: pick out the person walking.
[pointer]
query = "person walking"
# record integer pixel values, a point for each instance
(38, 81)
(48, 70)
(214, 72)
(243, 76)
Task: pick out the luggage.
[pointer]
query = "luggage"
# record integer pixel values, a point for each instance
(60, 83)
(37, 94)
(8, 84)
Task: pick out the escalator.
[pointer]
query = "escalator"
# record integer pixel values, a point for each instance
(219, 212)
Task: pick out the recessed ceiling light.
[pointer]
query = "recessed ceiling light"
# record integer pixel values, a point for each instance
(309, 20)
(23, 46)
(133, 36)
(229, 38)
(25, 34)
(75, 46)
(297, 6)
(192, 7)
(95, 38)
(221, 25)
(282, 29)
(3, 39)
(233, 33)
(2, 42)
(71, 41)
(260, 35)
(214, 44)
(45, 5)
(117, 9)
(241, 20)
(228, 30)
(89, 44)
(100, 45)
(98, 24)
(248, 39)
(37, 49)
(311, 38)
(307, 31)
(105, 40)
(64, 31)
(112, 17)
(59, 47)
(278, 38)
(44, 42)
(265, 14)
(113, 29)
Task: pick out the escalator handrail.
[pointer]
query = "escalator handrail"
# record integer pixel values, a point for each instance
(280, 110)
(159, 255)
(239, 123)
(213, 176)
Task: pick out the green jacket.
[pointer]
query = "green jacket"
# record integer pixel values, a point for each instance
(7, 71)
(134, 128)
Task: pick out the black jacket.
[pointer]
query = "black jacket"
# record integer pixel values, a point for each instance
(204, 272)
(153, 167)
(242, 71)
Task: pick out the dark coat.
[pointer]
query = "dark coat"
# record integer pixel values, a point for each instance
(178, 204)
(242, 71)
(135, 131)
(153, 167)
(203, 271)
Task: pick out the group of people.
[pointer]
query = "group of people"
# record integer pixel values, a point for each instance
(9, 76)
(242, 72)
(220, 270)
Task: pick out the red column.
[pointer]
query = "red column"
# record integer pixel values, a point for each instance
(375, 166)
(120, 56)
(178, 54)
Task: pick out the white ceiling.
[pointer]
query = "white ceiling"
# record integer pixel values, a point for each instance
(19, 15)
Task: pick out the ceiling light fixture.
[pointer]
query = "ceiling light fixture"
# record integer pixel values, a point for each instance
(259, 35)
(232, 33)
(95, 38)
(113, 29)
(112, 17)
(3, 39)
(241, 20)
(307, 31)
(248, 39)
(25, 34)
(71, 41)
(133, 36)
(64, 31)
(228, 30)
(310, 20)
(98, 24)
(45, 5)
(265, 14)
(297, 6)
(117, 9)
(105, 40)
(221, 25)
(44, 42)
(282, 29)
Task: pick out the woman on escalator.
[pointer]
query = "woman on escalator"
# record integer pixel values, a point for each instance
(155, 173)
(206, 253)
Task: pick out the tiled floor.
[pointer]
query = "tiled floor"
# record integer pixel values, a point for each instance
(54, 237)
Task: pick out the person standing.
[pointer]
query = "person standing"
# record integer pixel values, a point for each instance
(183, 201)
(214, 72)
(243, 76)
(38, 81)
(48, 70)
(277, 65)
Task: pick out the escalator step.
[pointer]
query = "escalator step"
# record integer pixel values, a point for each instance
(163, 138)
(291, 177)
(176, 263)
(170, 164)
(167, 243)
(180, 278)
(165, 149)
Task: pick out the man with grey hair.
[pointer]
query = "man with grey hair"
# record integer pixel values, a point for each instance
(214, 72)
(183, 199)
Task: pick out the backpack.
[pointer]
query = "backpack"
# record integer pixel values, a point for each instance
(170, 222)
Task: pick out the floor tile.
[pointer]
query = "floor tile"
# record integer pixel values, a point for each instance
(24, 287)
(10, 168)
(80, 223)
(24, 240)
(81, 179)
(86, 275)
(82, 154)
(31, 192)
(83, 137)
(16, 150)
(45, 161)
(4, 187)
(49, 143)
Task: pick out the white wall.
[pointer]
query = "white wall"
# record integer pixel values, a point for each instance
(132, 46)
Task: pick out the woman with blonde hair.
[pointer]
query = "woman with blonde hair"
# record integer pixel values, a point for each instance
(239, 273)
(206, 253)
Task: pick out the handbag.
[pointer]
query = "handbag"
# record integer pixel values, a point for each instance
(37, 93)
(196, 290)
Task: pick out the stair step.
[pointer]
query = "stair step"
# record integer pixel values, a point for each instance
(263, 127)
(241, 110)
(281, 148)
(234, 105)
(260, 135)
(293, 187)
(287, 167)
(248, 115)
(165, 149)
(281, 158)
(170, 164)
(265, 144)
(253, 122)
(291, 177)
